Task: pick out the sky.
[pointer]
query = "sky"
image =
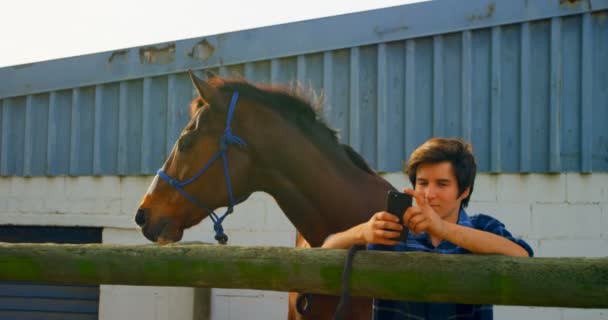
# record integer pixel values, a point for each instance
(39, 30)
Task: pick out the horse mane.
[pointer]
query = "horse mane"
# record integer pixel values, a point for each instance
(355, 157)
(295, 107)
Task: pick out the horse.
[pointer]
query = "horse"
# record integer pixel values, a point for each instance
(244, 137)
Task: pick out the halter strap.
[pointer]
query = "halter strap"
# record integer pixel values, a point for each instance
(227, 139)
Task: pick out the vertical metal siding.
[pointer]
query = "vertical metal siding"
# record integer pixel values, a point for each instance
(59, 125)
(410, 95)
(354, 109)
(338, 94)
(480, 133)
(586, 99)
(525, 114)
(83, 124)
(599, 146)
(539, 93)
(423, 86)
(154, 130)
(570, 92)
(530, 95)
(509, 99)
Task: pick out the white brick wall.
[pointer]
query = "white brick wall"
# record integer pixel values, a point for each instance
(559, 215)
(566, 221)
(530, 188)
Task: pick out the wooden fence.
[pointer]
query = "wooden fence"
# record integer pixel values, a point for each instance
(563, 282)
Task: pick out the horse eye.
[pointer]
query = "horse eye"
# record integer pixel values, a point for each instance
(185, 142)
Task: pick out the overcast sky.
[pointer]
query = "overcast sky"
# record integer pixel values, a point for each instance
(38, 30)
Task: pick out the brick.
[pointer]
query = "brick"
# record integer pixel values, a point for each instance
(5, 193)
(202, 232)
(398, 179)
(263, 238)
(239, 292)
(132, 190)
(5, 186)
(276, 220)
(257, 308)
(604, 223)
(83, 186)
(587, 187)
(164, 303)
(116, 302)
(93, 187)
(536, 313)
(26, 195)
(80, 205)
(515, 216)
(123, 236)
(96, 195)
(531, 188)
(29, 204)
(220, 306)
(534, 244)
(572, 248)
(17, 185)
(585, 314)
(30, 187)
(486, 188)
(55, 195)
(94, 206)
(64, 219)
(550, 221)
(110, 206)
(247, 216)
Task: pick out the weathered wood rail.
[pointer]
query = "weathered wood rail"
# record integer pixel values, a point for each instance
(564, 282)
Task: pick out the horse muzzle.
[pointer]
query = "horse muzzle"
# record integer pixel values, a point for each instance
(161, 231)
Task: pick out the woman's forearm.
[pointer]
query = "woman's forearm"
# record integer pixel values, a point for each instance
(344, 239)
(478, 241)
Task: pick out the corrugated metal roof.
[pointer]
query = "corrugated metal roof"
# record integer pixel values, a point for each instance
(524, 81)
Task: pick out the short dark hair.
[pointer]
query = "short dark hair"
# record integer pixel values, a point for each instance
(457, 151)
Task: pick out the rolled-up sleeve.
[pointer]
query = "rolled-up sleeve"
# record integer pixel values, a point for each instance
(490, 224)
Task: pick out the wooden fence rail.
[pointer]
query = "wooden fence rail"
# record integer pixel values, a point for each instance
(564, 282)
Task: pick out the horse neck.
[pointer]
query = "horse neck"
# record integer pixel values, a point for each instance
(330, 207)
(321, 191)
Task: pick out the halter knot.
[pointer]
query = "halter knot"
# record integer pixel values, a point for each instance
(228, 138)
(174, 182)
(220, 236)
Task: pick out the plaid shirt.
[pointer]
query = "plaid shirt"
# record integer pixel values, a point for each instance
(393, 310)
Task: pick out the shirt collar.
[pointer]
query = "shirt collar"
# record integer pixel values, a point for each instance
(463, 219)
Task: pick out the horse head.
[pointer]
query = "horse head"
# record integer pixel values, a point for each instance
(207, 168)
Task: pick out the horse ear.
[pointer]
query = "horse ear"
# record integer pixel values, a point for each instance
(207, 92)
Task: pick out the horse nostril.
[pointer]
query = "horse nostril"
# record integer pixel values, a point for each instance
(140, 217)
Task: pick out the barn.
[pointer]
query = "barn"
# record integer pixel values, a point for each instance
(525, 81)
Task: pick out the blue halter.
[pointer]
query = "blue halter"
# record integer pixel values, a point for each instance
(227, 139)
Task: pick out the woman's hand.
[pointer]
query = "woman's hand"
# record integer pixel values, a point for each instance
(422, 217)
(382, 228)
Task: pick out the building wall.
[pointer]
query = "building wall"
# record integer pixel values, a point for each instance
(560, 215)
(523, 80)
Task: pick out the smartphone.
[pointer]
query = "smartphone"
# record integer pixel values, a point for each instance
(397, 203)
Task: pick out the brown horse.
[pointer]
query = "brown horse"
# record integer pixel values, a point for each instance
(264, 139)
